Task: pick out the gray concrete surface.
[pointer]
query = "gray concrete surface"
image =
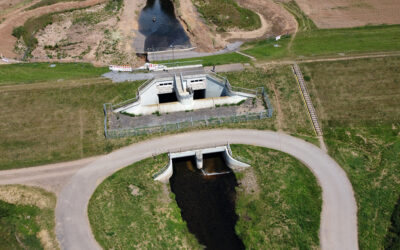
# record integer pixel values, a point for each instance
(184, 54)
(338, 229)
(51, 177)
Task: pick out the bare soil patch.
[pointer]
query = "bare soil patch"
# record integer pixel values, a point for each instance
(7, 41)
(351, 13)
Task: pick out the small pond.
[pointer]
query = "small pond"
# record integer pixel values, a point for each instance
(158, 23)
(207, 202)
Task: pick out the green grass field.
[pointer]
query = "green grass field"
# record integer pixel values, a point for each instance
(56, 121)
(149, 220)
(359, 106)
(283, 211)
(312, 43)
(41, 72)
(349, 41)
(23, 224)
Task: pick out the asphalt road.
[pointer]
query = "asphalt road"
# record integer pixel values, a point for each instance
(338, 228)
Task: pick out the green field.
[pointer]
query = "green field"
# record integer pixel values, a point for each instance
(41, 72)
(56, 121)
(283, 211)
(150, 219)
(212, 60)
(359, 106)
(24, 224)
(227, 14)
(317, 43)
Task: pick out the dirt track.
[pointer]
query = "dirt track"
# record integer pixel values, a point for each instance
(18, 18)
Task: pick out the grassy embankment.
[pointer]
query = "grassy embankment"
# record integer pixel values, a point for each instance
(60, 118)
(358, 103)
(151, 218)
(27, 218)
(41, 72)
(282, 210)
(227, 14)
(148, 219)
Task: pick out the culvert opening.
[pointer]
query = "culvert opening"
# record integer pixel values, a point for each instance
(166, 98)
(207, 200)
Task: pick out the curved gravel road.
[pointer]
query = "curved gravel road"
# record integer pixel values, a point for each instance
(338, 229)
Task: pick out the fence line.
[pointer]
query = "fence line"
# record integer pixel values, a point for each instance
(188, 123)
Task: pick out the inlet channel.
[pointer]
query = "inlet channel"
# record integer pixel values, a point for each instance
(206, 198)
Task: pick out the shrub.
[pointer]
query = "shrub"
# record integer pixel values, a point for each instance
(18, 31)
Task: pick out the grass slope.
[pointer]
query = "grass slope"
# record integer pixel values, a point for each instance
(24, 225)
(360, 112)
(149, 220)
(283, 210)
(40, 72)
(56, 121)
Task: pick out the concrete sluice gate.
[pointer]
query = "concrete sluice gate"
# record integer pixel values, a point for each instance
(204, 186)
(183, 92)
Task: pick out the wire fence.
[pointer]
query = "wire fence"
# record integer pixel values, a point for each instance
(188, 123)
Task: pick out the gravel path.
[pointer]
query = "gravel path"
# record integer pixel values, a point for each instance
(338, 228)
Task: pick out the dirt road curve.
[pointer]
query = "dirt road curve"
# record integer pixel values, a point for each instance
(338, 228)
(7, 41)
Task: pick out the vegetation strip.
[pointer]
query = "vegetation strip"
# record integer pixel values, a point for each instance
(27, 218)
(361, 122)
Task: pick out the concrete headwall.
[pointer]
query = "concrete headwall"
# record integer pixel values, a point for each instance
(229, 160)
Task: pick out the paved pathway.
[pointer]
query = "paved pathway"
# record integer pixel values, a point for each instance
(338, 228)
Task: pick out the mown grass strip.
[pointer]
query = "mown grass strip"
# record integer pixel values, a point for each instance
(41, 72)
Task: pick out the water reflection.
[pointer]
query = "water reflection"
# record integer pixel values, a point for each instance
(157, 22)
(207, 202)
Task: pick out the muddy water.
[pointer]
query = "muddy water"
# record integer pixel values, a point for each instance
(157, 22)
(207, 203)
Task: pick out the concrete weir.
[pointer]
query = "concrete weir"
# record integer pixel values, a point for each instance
(232, 163)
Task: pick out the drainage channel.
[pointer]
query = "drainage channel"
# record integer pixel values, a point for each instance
(206, 197)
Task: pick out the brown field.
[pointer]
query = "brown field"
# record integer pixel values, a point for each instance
(351, 13)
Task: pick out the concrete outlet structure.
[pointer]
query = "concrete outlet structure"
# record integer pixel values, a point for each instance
(181, 92)
(230, 161)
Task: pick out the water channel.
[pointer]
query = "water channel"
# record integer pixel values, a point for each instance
(207, 200)
(158, 23)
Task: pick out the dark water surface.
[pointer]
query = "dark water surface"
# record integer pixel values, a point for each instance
(157, 22)
(207, 203)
